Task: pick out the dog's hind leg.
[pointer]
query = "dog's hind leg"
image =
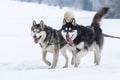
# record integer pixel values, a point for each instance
(97, 55)
(63, 52)
(44, 54)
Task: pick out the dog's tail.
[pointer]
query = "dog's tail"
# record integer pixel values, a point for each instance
(98, 16)
(110, 36)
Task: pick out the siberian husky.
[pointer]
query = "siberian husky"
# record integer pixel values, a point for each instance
(50, 40)
(82, 39)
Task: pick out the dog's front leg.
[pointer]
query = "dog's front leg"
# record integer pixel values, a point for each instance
(74, 54)
(73, 58)
(63, 51)
(55, 59)
(77, 59)
(44, 54)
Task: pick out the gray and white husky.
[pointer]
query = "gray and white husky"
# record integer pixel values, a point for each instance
(51, 41)
(82, 39)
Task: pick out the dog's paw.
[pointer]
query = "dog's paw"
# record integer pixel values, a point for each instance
(72, 62)
(96, 62)
(76, 65)
(51, 67)
(65, 66)
(49, 64)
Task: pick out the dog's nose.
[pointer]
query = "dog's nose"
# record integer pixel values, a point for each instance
(34, 36)
(67, 36)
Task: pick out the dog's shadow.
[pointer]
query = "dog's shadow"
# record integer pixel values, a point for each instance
(31, 67)
(21, 67)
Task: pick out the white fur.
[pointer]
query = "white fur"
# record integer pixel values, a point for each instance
(32, 33)
(80, 45)
(49, 48)
(43, 36)
(72, 35)
(63, 34)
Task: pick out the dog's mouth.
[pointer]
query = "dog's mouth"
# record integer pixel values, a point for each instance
(69, 40)
(36, 40)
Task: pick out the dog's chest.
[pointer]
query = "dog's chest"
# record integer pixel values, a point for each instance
(73, 47)
(80, 45)
(49, 48)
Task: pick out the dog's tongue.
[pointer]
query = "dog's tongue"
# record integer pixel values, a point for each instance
(36, 40)
(69, 40)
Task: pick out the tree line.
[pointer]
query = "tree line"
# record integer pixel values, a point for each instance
(90, 5)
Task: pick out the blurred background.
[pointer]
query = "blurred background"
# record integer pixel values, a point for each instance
(90, 5)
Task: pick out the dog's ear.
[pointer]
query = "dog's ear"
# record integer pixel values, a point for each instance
(42, 25)
(73, 22)
(34, 22)
(64, 22)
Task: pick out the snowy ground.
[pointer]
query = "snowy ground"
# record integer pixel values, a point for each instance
(20, 58)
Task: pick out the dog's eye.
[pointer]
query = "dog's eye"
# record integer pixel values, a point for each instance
(34, 30)
(71, 30)
(65, 30)
(37, 30)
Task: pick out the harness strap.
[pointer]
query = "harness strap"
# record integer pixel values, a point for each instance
(91, 28)
(56, 41)
(40, 45)
(52, 44)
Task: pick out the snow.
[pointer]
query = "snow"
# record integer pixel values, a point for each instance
(20, 58)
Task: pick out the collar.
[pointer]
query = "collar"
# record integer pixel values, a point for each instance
(43, 46)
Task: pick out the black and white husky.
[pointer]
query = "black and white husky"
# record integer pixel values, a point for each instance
(50, 40)
(82, 39)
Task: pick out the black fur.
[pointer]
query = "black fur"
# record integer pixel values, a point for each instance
(62, 41)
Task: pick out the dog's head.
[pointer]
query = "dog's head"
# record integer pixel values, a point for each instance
(38, 32)
(69, 30)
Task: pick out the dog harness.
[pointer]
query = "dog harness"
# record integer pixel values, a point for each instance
(91, 28)
(50, 40)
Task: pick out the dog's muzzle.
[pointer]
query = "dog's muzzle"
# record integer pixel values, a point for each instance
(69, 39)
(36, 40)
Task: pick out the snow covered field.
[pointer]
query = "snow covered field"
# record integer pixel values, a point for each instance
(20, 58)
